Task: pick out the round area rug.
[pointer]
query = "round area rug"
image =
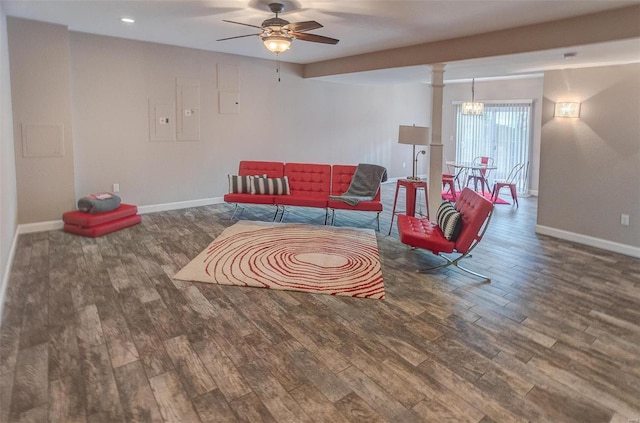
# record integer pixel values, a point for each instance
(300, 257)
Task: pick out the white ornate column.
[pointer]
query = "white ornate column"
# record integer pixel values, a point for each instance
(435, 147)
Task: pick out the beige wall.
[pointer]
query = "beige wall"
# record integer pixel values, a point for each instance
(507, 89)
(292, 120)
(590, 167)
(41, 95)
(8, 196)
(112, 81)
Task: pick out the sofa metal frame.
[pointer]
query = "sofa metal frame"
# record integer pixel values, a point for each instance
(333, 217)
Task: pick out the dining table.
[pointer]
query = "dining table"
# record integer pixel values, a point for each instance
(463, 169)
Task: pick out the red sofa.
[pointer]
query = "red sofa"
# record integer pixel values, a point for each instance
(341, 176)
(310, 185)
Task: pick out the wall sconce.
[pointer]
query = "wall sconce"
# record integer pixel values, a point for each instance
(567, 110)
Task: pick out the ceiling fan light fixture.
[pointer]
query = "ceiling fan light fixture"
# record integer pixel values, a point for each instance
(277, 43)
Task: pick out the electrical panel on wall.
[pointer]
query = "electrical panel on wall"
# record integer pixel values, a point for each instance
(42, 140)
(228, 102)
(228, 91)
(188, 109)
(162, 122)
(228, 77)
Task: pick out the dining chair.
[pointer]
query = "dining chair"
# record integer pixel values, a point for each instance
(480, 175)
(449, 179)
(509, 182)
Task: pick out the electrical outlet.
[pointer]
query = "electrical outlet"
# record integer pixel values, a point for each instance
(404, 164)
(624, 219)
(116, 187)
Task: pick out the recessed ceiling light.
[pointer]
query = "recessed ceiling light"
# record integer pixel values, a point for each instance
(128, 20)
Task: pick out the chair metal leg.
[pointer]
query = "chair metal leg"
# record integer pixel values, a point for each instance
(378, 220)
(455, 263)
(235, 210)
(393, 212)
(480, 275)
(333, 216)
(514, 195)
(326, 216)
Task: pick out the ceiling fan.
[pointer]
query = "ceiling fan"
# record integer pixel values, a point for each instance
(277, 34)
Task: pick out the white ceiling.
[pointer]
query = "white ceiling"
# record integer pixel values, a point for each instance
(362, 26)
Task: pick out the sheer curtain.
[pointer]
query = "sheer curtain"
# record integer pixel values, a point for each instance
(503, 132)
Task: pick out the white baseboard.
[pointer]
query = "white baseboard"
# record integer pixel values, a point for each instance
(390, 181)
(180, 205)
(54, 225)
(616, 247)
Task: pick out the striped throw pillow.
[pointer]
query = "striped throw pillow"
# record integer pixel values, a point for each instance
(273, 186)
(240, 184)
(449, 220)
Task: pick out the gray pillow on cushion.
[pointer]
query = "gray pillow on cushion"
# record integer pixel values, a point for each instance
(98, 203)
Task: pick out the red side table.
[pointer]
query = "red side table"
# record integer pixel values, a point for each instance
(411, 188)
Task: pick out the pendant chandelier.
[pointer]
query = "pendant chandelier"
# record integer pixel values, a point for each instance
(472, 108)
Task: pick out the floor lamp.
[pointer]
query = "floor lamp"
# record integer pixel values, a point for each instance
(414, 135)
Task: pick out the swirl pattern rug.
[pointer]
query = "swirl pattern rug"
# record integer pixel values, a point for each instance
(297, 257)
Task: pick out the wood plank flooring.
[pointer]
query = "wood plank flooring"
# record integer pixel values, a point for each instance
(96, 330)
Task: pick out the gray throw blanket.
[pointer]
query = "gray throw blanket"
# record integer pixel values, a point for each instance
(98, 203)
(364, 185)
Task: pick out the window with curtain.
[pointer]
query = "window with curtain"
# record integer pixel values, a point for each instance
(503, 132)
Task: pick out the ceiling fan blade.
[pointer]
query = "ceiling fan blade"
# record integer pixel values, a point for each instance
(239, 36)
(240, 23)
(314, 38)
(303, 26)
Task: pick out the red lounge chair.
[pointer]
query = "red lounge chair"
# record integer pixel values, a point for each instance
(475, 213)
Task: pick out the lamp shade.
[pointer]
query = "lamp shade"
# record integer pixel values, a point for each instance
(413, 135)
